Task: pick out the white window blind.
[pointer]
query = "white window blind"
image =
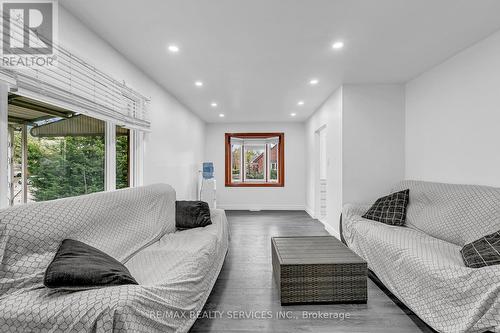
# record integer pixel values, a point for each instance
(253, 142)
(78, 86)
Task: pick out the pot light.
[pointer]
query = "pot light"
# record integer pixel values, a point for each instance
(313, 82)
(198, 84)
(337, 45)
(221, 115)
(213, 104)
(300, 103)
(173, 48)
(293, 114)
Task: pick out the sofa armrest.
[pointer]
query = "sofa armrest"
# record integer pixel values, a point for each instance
(351, 209)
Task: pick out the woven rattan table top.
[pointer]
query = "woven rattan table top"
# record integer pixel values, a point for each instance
(311, 250)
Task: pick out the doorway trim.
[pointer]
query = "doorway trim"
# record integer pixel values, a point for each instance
(320, 207)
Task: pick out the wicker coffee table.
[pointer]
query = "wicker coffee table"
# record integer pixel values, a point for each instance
(318, 269)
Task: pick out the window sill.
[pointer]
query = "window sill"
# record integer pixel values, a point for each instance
(256, 184)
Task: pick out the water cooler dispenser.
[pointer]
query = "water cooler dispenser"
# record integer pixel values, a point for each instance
(207, 185)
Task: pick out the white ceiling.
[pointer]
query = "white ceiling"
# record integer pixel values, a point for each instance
(255, 57)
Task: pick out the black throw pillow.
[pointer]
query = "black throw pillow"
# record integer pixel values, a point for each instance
(78, 266)
(482, 252)
(192, 214)
(390, 209)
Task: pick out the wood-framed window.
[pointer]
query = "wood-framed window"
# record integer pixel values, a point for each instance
(255, 160)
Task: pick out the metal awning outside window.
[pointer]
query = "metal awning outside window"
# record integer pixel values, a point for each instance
(79, 125)
(27, 111)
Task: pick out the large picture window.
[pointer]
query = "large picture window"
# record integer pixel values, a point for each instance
(56, 153)
(255, 159)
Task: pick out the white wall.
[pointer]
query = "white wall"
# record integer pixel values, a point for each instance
(373, 138)
(365, 138)
(453, 118)
(291, 196)
(174, 148)
(329, 115)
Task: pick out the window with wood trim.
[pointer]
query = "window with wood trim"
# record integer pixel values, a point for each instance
(255, 159)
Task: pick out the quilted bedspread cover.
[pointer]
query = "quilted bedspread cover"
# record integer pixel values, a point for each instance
(175, 270)
(425, 271)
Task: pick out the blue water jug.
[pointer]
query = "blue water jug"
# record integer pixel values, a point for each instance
(208, 170)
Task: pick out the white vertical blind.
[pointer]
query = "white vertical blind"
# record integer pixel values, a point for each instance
(254, 142)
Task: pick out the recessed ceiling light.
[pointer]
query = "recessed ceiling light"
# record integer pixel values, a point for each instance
(173, 48)
(198, 84)
(337, 45)
(313, 82)
(213, 104)
(300, 103)
(221, 115)
(293, 114)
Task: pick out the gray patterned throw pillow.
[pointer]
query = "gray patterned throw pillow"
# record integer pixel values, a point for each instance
(390, 209)
(482, 252)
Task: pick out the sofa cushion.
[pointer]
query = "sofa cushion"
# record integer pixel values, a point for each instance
(459, 214)
(192, 214)
(390, 209)
(78, 266)
(482, 252)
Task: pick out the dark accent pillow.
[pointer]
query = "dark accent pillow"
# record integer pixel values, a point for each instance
(482, 252)
(390, 209)
(78, 266)
(192, 214)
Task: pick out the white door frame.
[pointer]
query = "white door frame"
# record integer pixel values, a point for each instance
(317, 172)
(4, 148)
(110, 157)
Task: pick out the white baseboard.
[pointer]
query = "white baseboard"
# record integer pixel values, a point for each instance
(310, 211)
(328, 227)
(254, 207)
(330, 230)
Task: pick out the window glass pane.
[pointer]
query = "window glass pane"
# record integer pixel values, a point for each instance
(255, 162)
(273, 162)
(53, 156)
(236, 162)
(122, 157)
(65, 166)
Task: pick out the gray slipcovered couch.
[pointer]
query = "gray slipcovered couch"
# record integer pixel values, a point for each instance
(421, 263)
(176, 270)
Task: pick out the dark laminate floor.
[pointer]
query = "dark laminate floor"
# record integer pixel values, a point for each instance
(246, 284)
